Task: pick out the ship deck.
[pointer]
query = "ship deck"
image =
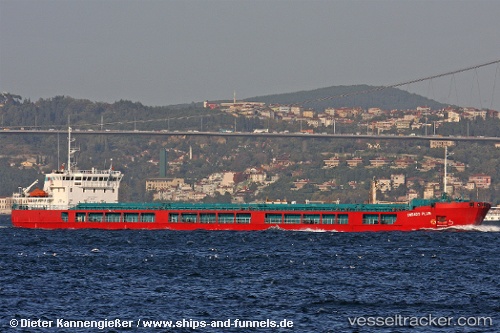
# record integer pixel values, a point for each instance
(242, 207)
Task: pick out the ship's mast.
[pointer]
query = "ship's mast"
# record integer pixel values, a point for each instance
(71, 151)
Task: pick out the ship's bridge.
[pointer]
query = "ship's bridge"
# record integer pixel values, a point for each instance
(72, 187)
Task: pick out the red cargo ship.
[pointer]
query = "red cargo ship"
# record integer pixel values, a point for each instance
(76, 199)
(420, 214)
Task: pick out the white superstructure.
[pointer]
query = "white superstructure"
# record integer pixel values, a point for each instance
(69, 186)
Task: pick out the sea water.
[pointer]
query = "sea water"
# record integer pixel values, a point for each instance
(267, 281)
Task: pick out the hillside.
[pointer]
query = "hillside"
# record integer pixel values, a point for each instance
(363, 96)
(286, 161)
(57, 110)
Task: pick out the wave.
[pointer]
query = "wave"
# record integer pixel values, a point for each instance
(313, 230)
(480, 228)
(275, 227)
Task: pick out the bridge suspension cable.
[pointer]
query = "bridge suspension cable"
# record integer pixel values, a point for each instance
(366, 91)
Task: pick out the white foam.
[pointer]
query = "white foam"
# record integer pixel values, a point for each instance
(481, 228)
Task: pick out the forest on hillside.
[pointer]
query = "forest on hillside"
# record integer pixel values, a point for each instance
(137, 156)
(362, 96)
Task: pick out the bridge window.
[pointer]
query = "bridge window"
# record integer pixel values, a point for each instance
(81, 217)
(64, 217)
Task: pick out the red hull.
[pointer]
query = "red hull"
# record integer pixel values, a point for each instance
(437, 216)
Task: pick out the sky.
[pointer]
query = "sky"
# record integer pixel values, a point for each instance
(165, 52)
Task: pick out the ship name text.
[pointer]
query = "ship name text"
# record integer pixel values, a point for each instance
(418, 214)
